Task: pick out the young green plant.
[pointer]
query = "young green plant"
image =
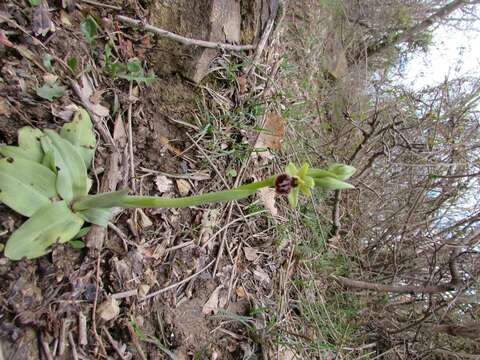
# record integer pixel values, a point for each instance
(46, 179)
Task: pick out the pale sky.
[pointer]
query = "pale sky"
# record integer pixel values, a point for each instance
(453, 53)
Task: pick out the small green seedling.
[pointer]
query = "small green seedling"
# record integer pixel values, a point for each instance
(46, 179)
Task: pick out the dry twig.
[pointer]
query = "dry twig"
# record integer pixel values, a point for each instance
(181, 39)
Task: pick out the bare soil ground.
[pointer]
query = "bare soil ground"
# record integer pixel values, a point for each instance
(91, 303)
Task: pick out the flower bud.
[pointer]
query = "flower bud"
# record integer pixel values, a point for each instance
(342, 172)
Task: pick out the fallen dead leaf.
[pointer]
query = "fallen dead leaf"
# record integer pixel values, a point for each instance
(273, 132)
(109, 309)
(267, 196)
(242, 84)
(183, 187)
(241, 293)
(27, 54)
(41, 22)
(163, 183)
(261, 275)
(212, 304)
(250, 254)
(4, 108)
(165, 142)
(65, 113)
(85, 92)
(143, 290)
(209, 221)
(65, 19)
(145, 221)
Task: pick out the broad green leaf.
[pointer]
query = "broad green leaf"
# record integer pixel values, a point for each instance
(332, 184)
(342, 172)
(83, 231)
(15, 152)
(49, 161)
(89, 28)
(71, 171)
(80, 134)
(77, 244)
(97, 216)
(29, 140)
(29, 145)
(26, 186)
(34, 2)
(54, 223)
(51, 91)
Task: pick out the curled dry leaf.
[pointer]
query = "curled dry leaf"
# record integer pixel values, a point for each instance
(183, 187)
(241, 293)
(41, 22)
(163, 183)
(250, 254)
(85, 92)
(109, 309)
(261, 275)
(213, 303)
(4, 107)
(267, 196)
(272, 134)
(145, 221)
(209, 221)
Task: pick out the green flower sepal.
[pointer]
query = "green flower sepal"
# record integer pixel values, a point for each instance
(302, 183)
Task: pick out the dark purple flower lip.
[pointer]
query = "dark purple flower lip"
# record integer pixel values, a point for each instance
(285, 183)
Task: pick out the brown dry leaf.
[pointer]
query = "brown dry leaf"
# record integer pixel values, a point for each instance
(242, 84)
(109, 309)
(209, 221)
(163, 183)
(145, 221)
(261, 275)
(143, 290)
(119, 132)
(27, 54)
(85, 91)
(267, 196)
(41, 22)
(126, 47)
(241, 293)
(273, 132)
(65, 19)
(250, 254)
(165, 142)
(4, 107)
(64, 112)
(213, 303)
(183, 187)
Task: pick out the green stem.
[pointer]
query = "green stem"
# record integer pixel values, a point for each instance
(121, 199)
